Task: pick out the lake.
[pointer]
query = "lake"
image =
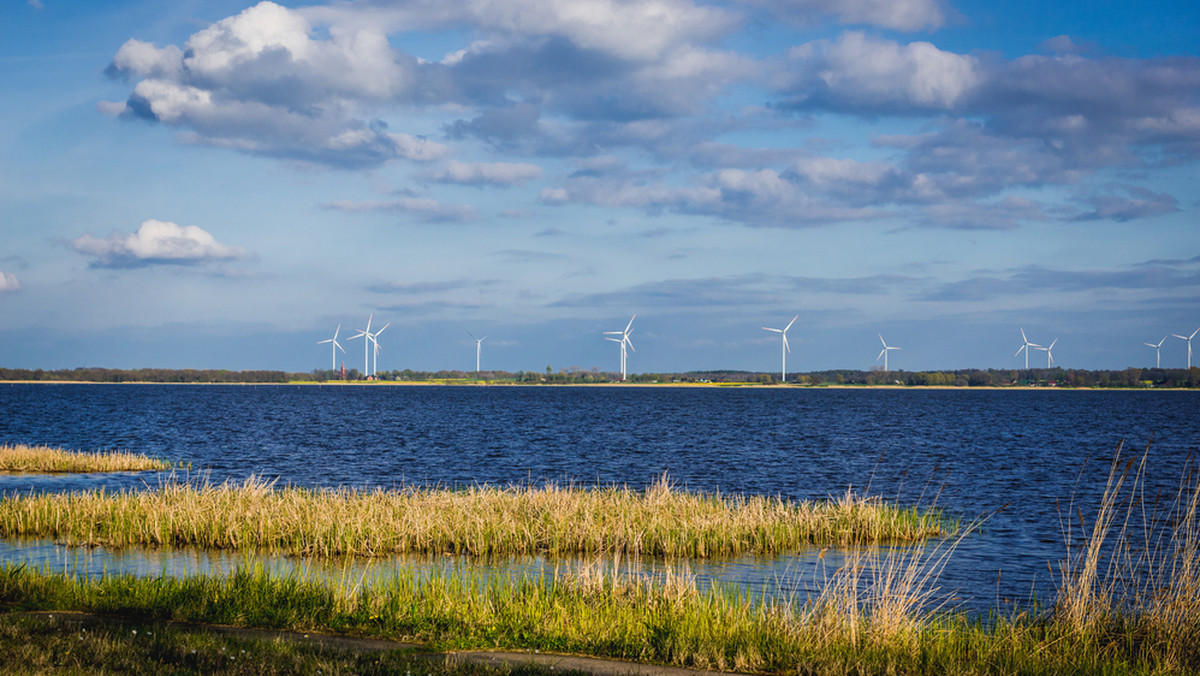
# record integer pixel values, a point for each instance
(1035, 452)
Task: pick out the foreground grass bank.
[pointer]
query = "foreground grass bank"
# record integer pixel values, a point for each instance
(50, 644)
(488, 521)
(42, 459)
(873, 630)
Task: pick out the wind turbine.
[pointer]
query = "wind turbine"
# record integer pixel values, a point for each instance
(366, 333)
(1049, 358)
(624, 341)
(884, 351)
(335, 347)
(1025, 346)
(1189, 342)
(1158, 352)
(783, 351)
(375, 339)
(478, 348)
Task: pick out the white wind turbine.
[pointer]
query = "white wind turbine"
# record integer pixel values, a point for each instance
(624, 341)
(366, 335)
(1157, 352)
(478, 348)
(335, 347)
(1049, 357)
(783, 351)
(375, 339)
(1189, 342)
(1025, 345)
(884, 351)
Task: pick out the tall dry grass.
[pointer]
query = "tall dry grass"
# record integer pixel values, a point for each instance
(1135, 579)
(479, 520)
(43, 459)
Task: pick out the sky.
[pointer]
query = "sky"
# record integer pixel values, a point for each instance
(224, 184)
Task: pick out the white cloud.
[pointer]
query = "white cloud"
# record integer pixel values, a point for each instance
(495, 173)
(156, 242)
(858, 71)
(9, 282)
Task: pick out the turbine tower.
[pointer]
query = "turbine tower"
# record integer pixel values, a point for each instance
(1189, 342)
(366, 335)
(478, 348)
(884, 351)
(783, 351)
(334, 348)
(624, 341)
(1025, 345)
(1157, 352)
(1049, 357)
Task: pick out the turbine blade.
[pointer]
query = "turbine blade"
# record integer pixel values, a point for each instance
(1018, 352)
(322, 342)
(483, 339)
(635, 317)
(1052, 344)
(794, 321)
(1194, 333)
(770, 329)
(1023, 336)
(882, 340)
(785, 343)
(337, 331)
(881, 353)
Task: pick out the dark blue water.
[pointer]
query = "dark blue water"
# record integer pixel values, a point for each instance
(969, 451)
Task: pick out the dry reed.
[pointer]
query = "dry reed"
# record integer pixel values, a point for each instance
(43, 459)
(479, 520)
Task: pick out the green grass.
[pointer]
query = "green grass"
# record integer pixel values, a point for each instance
(670, 622)
(488, 521)
(42, 459)
(49, 644)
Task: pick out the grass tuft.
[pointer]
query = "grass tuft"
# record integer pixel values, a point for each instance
(42, 459)
(480, 520)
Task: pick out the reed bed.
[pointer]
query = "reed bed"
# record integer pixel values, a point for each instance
(480, 520)
(43, 459)
(845, 630)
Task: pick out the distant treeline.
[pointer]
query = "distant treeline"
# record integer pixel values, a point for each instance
(1051, 377)
(101, 375)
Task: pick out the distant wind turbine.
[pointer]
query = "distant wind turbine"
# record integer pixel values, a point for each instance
(1025, 345)
(375, 339)
(785, 349)
(624, 341)
(365, 334)
(1189, 342)
(1049, 358)
(335, 347)
(478, 348)
(1157, 352)
(884, 351)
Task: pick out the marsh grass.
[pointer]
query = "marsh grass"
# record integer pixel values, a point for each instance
(43, 459)
(479, 520)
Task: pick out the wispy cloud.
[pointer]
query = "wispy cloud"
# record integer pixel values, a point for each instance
(9, 282)
(424, 209)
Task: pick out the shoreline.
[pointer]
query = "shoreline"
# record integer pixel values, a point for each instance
(480, 383)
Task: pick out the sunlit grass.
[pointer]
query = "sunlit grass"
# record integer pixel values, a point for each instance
(42, 459)
(479, 520)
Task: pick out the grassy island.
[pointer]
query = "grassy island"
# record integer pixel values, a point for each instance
(45, 460)
(479, 520)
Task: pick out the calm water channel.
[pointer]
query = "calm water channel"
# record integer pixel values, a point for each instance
(972, 451)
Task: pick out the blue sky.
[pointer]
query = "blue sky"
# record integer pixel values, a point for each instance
(221, 184)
